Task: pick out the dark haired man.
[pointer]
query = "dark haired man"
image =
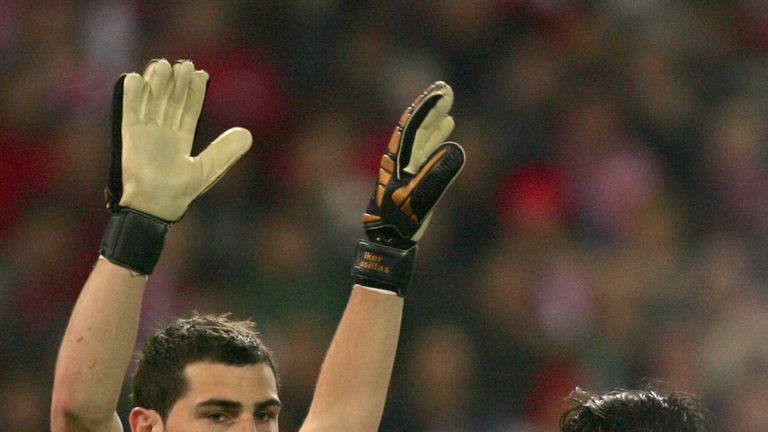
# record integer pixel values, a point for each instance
(166, 369)
(646, 410)
(211, 373)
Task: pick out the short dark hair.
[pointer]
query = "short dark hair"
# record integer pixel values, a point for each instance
(646, 410)
(159, 378)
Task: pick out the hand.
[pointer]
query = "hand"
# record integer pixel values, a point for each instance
(153, 127)
(153, 177)
(416, 170)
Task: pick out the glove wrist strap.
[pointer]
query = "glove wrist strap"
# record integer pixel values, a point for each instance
(384, 267)
(134, 240)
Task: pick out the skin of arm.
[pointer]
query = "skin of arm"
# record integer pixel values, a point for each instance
(96, 351)
(352, 387)
(353, 382)
(158, 114)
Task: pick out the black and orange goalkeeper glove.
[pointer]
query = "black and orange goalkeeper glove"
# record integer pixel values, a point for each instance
(415, 172)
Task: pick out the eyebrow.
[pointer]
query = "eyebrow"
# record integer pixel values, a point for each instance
(221, 403)
(232, 405)
(269, 403)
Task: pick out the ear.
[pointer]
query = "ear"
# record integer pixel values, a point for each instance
(145, 420)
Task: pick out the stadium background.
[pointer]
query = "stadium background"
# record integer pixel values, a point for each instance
(611, 223)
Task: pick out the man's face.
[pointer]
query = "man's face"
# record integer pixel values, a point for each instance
(226, 398)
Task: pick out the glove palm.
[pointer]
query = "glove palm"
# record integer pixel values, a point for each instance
(154, 122)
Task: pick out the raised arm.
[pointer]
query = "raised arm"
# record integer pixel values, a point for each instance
(152, 181)
(96, 350)
(415, 172)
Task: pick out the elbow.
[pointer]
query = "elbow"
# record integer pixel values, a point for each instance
(68, 416)
(340, 425)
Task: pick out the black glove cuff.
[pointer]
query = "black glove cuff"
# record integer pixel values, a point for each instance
(134, 240)
(384, 267)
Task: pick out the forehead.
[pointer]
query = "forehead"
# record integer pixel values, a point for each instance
(248, 383)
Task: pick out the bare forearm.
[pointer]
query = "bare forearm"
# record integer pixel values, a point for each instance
(97, 346)
(354, 379)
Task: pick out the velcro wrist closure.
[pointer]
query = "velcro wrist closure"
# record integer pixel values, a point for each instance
(134, 240)
(384, 267)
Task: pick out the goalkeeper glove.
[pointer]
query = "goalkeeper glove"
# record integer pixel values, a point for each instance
(153, 177)
(414, 174)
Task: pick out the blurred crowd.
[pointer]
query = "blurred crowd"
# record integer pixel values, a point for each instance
(610, 227)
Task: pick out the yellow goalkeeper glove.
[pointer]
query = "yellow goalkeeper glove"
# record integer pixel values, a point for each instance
(153, 177)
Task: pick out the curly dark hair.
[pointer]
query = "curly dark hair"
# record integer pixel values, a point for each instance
(621, 410)
(159, 378)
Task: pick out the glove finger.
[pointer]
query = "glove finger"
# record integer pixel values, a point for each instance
(423, 227)
(133, 85)
(440, 109)
(414, 117)
(158, 75)
(126, 111)
(423, 191)
(428, 140)
(194, 104)
(182, 75)
(115, 181)
(219, 157)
